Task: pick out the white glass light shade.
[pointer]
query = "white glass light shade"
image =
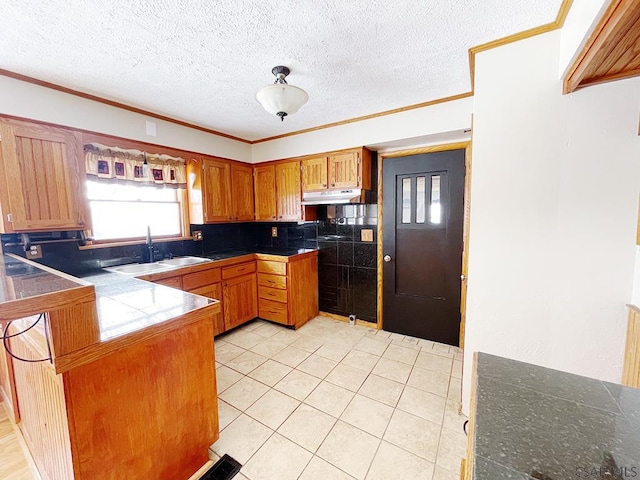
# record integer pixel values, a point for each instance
(282, 97)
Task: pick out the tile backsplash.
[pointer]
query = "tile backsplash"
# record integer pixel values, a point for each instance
(347, 265)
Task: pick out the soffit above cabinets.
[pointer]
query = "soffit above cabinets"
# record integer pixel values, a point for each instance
(203, 62)
(612, 52)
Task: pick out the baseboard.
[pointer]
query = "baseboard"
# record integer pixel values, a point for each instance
(362, 323)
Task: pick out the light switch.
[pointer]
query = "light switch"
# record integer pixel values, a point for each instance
(151, 128)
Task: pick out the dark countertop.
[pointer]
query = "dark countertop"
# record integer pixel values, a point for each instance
(22, 280)
(287, 252)
(537, 423)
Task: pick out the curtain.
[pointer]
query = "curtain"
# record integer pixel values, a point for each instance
(104, 162)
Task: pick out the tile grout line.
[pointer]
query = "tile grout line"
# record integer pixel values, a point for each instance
(369, 372)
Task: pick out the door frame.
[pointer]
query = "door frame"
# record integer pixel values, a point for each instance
(466, 146)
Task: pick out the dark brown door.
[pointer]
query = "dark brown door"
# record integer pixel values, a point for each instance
(423, 211)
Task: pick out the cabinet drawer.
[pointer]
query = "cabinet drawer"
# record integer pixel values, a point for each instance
(274, 311)
(274, 294)
(274, 281)
(210, 291)
(173, 282)
(267, 266)
(200, 279)
(237, 270)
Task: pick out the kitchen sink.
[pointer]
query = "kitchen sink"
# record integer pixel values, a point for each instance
(139, 268)
(183, 261)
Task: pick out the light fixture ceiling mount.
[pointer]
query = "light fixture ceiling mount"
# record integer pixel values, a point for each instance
(280, 98)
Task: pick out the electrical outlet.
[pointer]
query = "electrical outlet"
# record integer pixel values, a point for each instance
(34, 252)
(274, 231)
(197, 235)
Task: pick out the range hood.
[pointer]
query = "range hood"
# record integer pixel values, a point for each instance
(333, 197)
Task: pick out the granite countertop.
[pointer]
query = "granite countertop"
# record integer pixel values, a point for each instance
(536, 423)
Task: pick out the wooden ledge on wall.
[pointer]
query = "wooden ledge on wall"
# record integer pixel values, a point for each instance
(612, 51)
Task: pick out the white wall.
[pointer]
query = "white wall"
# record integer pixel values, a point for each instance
(554, 201)
(434, 119)
(578, 25)
(31, 101)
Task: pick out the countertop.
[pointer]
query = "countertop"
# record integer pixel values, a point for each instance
(287, 252)
(124, 303)
(126, 309)
(532, 422)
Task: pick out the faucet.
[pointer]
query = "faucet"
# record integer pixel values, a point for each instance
(150, 245)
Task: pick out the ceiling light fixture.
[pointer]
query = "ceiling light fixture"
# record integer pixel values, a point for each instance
(281, 99)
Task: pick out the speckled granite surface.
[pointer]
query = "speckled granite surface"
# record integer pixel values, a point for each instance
(536, 423)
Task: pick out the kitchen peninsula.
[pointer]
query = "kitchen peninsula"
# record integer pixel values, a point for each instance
(127, 388)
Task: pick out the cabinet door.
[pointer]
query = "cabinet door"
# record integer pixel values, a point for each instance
(43, 167)
(344, 171)
(213, 291)
(216, 180)
(265, 192)
(314, 174)
(242, 192)
(240, 298)
(288, 191)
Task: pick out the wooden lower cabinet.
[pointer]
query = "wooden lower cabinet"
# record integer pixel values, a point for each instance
(279, 289)
(239, 297)
(173, 282)
(288, 291)
(213, 291)
(144, 411)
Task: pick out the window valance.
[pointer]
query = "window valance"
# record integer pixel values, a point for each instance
(134, 166)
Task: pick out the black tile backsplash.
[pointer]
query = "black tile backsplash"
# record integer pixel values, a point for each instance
(246, 236)
(348, 266)
(347, 274)
(68, 258)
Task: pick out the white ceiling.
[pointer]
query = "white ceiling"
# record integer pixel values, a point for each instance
(203, 61)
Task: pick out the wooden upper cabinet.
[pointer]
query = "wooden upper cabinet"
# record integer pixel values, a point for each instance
(344, 171)
(265, 192)
(43, 169)
(216, 190)
(242, 192)
(289, 196)
(314, 174)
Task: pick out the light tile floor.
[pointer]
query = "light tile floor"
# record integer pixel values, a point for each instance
(334, 401)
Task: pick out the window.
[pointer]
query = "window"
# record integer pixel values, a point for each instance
(124, 210)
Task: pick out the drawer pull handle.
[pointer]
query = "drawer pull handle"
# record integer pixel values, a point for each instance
(271, 294)
(271, 281)
(241, 269)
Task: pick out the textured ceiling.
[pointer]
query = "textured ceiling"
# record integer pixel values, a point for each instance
(202, 61)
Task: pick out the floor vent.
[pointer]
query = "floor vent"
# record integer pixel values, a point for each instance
(224, 469)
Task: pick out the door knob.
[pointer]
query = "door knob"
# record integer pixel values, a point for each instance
(463, 277)
(387, 258)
